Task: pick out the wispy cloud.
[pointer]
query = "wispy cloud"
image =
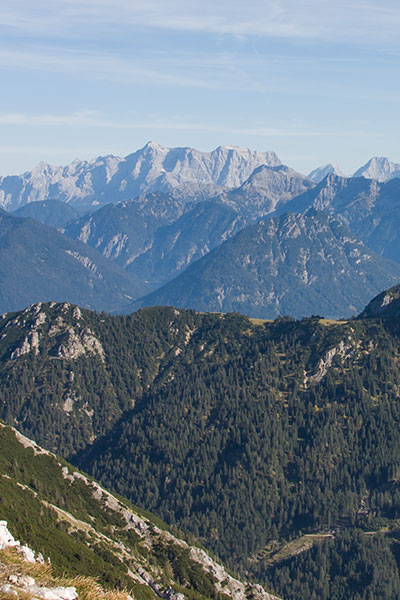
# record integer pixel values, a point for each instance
(360, 20)
(88, 118)
(215, 73)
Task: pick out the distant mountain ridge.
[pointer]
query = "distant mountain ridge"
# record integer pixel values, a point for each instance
(379, 168)
(134, 232)
(37, 263)
(265, 189)
(294, 264)
(54, 213)
(320, 173)
(177, 245)
(123, 231)
(371, 209)
(185, 171)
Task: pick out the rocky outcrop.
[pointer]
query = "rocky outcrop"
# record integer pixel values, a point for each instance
(385, 305)
(70, 336)
(342, 351)
(7, 541)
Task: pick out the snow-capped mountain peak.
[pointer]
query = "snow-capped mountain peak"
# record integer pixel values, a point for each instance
(379, 168)
(320, 173)
(185, 172)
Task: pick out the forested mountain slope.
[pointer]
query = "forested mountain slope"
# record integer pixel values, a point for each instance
(276, 443)
(54, 213)
(87, 532)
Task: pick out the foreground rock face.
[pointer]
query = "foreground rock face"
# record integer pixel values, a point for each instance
(25, 583)
(7, 541)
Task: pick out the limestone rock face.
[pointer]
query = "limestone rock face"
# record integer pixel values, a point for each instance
(7, 541)
(369, 207)
(185, 171)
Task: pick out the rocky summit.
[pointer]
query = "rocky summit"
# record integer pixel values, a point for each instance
(185, 171)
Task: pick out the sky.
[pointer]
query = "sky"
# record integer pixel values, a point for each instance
(316, 81)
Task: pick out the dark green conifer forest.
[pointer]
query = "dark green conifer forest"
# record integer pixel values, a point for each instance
(275, 444)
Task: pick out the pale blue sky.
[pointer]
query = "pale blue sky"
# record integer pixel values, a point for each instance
(315, 81)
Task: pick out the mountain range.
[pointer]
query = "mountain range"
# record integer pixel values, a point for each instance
(156, 236)
(379, 168)
(148, 233)
(287, 265)
(371, 209)
(186, 172)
